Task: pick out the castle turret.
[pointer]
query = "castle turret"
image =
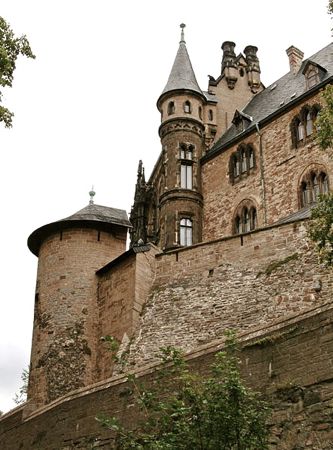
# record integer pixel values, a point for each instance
(182, 108)
(70, 251)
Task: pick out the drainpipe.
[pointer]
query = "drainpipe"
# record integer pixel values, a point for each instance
(262, 173)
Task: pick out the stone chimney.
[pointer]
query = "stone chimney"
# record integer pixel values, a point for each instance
(229, 66)
(295, 58)
(253, 67)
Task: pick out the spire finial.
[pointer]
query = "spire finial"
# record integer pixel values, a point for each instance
(92, 193)
(182, 38)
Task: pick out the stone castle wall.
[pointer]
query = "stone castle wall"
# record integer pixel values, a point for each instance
(240, 283)
(291, 362)
(273, 185)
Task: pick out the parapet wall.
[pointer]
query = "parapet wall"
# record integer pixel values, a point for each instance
(240, 283)
(291, 362)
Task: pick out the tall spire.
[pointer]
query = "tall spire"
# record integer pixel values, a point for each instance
(182, 74)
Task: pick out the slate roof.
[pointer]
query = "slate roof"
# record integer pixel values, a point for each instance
(280, 94)
(304, 213)
(182, 75)
(100, 217)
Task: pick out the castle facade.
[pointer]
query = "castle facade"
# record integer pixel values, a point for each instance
(218, 241)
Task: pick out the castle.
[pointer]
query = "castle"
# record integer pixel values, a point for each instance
(217, 241)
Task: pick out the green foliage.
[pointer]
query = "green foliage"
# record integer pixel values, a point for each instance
(321, 228)
(186, 411)
(324, 121)
(10, 48)
(21, 395)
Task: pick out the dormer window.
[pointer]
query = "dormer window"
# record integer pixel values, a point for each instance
(313, 74)
(187, 107)
(171, 108)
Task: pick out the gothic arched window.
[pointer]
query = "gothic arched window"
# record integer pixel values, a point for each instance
(241, 162)
(309, 124)
(245, 219)
(313, 184)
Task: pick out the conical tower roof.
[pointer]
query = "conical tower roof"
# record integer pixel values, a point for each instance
(182, 75)
(92, 216)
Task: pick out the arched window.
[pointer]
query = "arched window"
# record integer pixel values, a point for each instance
(186, 166)
(309, 124)
(245, 219)
(251, 158)
(171, 108)
(241, 162)
(313, 185)
(210, 115)
(187, 107)
(300, 131)
(186, 232)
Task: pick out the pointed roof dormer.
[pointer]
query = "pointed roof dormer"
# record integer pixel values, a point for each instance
(182, 76)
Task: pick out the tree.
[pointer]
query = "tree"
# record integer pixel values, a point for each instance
(186, 411)
(324, 121)
(21, 395)
(10, 48)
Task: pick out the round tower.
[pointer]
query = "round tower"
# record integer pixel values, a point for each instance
(182, 108)
(70, 251)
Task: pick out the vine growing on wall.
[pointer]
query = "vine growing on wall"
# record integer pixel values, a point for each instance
(186, 411)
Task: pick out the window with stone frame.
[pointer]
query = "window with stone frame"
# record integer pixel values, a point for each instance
(245, 219)
(302, 125)
(171, 108)
(241, 162)
(187, 107)
(313, 184)
(185, 231)
(186, 166)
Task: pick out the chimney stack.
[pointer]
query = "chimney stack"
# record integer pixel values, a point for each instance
(295, 58)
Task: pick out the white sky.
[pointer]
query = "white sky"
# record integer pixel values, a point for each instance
(85, 113)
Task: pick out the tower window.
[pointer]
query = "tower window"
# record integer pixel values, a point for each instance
(187, 107)
(171, 108)
(186, 231)
(186, 152)
(210, 115)
(200, 112)
(186, 176)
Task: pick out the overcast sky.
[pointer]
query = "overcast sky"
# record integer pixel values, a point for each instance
(85, 113)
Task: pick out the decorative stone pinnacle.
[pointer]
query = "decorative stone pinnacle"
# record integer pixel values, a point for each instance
(182, 38)
(92, 193)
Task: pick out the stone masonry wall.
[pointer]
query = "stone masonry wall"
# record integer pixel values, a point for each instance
(235, 283)
(273, 185)
(291, 362)
(122, 292)
(63, 351)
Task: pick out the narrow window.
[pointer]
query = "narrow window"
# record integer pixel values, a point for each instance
(246, 220)
(251, 158)
(243, 161)
(235, 166)
(210, 115)
(309, 124)
(316, 189)
(238, 229)
(186, 232)
(253, 219)
(186, 176)
(305, 194)
(171, 108)
(300, 131)
(187, 107)
(200, 112)
(324, 183)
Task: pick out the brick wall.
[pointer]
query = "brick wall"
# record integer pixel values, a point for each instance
(291, 362)
(273, 185)
(64, 337)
